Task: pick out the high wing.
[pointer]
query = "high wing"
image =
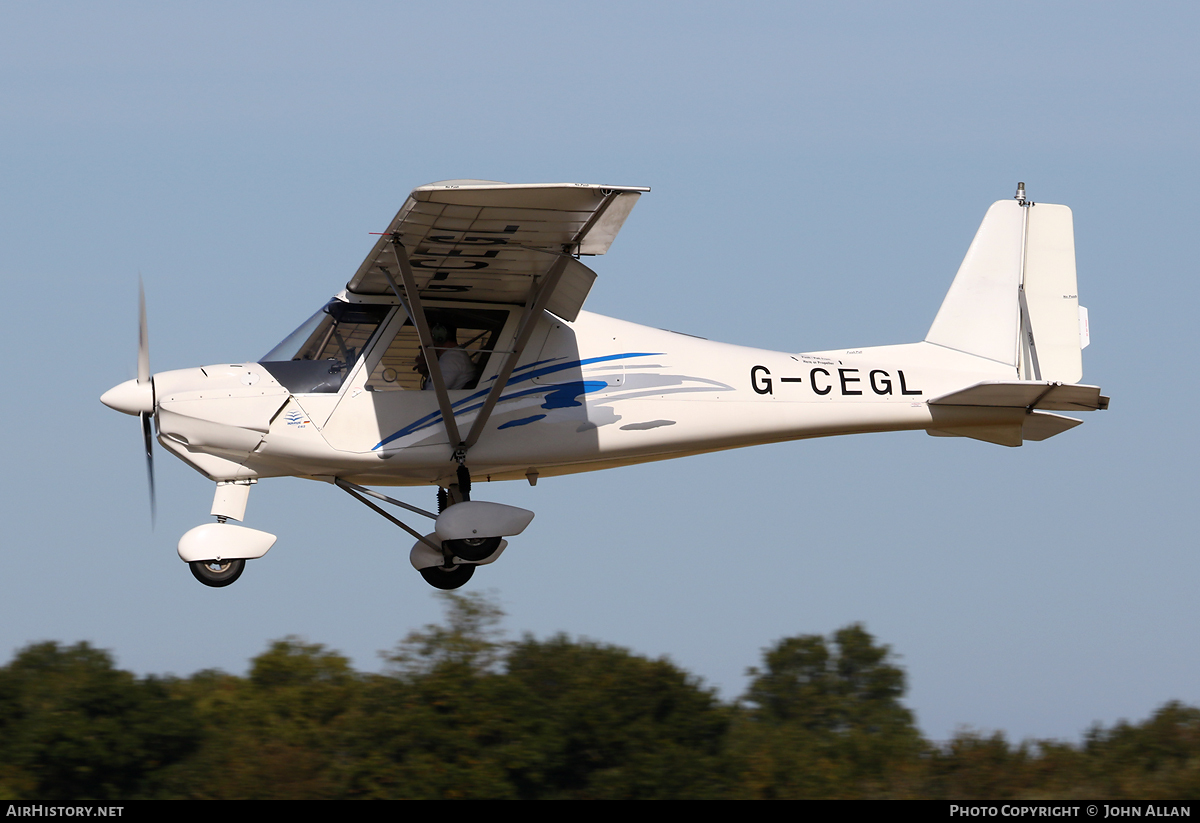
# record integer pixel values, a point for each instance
(496, 242)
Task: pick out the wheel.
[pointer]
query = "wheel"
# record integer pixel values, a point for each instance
(218, 573)
(474, 548)
(442, 578)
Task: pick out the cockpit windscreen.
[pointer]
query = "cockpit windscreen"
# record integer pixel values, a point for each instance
(317, 356)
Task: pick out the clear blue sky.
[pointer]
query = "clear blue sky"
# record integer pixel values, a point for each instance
(818, 171)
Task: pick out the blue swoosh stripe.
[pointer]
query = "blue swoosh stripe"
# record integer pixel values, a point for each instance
(461, 406)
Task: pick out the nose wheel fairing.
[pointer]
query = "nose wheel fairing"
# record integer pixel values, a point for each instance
(223, 541)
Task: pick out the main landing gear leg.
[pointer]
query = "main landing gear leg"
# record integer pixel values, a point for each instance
(445, 574)
(458, 492)
(464, 481)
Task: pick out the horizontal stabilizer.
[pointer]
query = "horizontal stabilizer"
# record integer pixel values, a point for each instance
(1027, 394)
(993, 410)
(1043, 425)
(1000, 435)
(1031, 426)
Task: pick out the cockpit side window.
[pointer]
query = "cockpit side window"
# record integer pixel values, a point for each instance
(317, 357)
(477, 333)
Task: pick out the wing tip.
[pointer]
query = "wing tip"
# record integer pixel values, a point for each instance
(470, 183)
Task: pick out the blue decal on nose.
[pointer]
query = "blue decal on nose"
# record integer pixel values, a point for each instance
(524, 421)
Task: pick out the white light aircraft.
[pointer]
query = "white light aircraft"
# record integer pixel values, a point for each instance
(460, 350)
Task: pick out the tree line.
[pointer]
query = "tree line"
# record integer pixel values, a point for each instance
(459, 712)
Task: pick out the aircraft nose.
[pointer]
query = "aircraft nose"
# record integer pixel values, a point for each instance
(130, 397)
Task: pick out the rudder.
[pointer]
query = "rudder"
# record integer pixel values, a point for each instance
(1014, 298)
(1051, 340)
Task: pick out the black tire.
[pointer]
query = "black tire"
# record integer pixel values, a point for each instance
(442, 578)
(474, 549)
(217, 574)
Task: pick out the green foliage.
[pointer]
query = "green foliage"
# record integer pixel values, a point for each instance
(72, 727)
(465, 714)
(470, 640)
(275, 734)
(460, 712)
(824, 719)
(616, 725)
(974, 766)
(1156, 759)
(444, 722)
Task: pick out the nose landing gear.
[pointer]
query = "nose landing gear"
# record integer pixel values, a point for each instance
(217, 552)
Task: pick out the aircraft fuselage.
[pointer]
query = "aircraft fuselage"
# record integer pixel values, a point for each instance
(588, 395)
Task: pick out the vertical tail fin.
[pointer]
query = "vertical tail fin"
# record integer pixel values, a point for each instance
(981, 312)
(1014, 298)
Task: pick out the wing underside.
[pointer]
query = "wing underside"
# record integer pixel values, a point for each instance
(494, 242)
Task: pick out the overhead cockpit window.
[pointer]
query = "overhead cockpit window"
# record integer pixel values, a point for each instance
(316, 357)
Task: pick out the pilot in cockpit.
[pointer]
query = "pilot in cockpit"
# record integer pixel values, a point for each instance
(458, 370)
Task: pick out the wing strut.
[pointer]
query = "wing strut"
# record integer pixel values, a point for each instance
(534, 306)
(357, 492)
(411, 301)
(533, 311)
(529, 318)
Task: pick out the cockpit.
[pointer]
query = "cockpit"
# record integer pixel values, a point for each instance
(319, 355)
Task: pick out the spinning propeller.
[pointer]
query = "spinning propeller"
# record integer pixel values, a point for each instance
(137, 396)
